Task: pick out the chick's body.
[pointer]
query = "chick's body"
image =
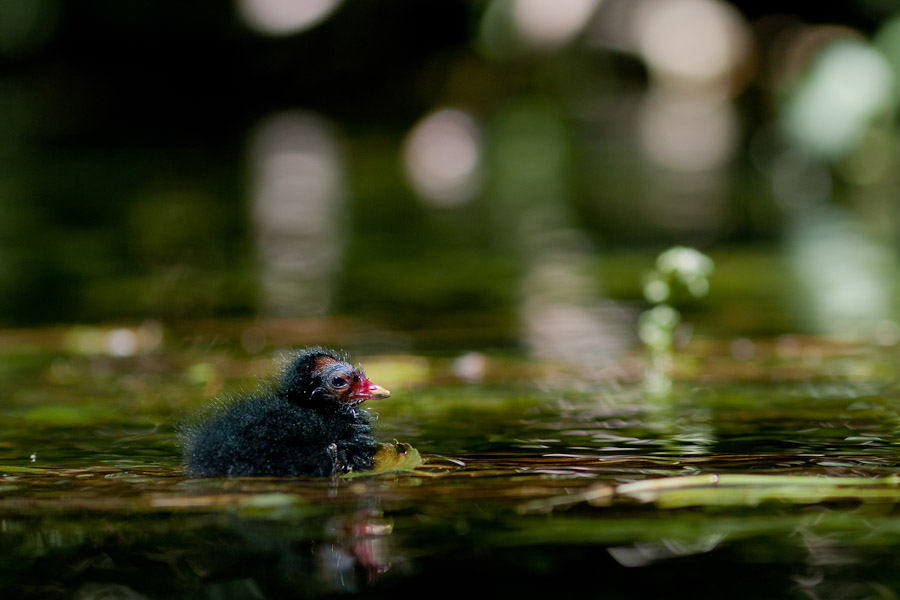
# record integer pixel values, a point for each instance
(308, 423)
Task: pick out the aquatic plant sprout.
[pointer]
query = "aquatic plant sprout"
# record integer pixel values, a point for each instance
(657, 325)
(686, 265)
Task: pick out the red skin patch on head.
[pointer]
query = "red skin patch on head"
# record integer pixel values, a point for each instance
(324, 361)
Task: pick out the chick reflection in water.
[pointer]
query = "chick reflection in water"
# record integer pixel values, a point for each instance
(293, 556)
(307, 422)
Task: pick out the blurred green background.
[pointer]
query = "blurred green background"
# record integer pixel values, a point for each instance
(509, 166)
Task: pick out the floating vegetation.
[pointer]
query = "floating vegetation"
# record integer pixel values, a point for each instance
(397, 456)
(657, 326)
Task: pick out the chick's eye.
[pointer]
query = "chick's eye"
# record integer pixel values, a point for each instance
(338, 382)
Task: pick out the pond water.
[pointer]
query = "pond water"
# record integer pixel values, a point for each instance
(762, 477)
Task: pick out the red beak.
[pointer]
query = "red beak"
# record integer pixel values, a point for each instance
(366, 390)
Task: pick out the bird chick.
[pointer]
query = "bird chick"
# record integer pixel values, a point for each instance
(307, 422)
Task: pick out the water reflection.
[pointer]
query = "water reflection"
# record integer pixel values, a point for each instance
(342, 553)
(688, 134)
(644, 554)
(263, 551)
(563, 315)
(298, 199)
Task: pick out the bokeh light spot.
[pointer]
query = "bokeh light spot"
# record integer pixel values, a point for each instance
(297, 196)
(688, 133)
(551, 24)
(831, 108)
(442, 155)
(694, 41)
(887, 41)
(285, 17)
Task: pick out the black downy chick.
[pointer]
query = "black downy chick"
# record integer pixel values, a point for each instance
(307, 423)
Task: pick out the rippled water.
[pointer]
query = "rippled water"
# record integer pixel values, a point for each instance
(762, 478)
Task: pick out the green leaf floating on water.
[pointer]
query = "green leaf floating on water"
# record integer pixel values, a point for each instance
(751, 490)
(733, 489)
(394, 456)
(11, 469)
(397, 456)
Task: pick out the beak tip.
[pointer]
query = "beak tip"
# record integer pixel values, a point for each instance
(373, 391)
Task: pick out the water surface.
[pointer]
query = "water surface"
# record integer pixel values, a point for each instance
(763, 477)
